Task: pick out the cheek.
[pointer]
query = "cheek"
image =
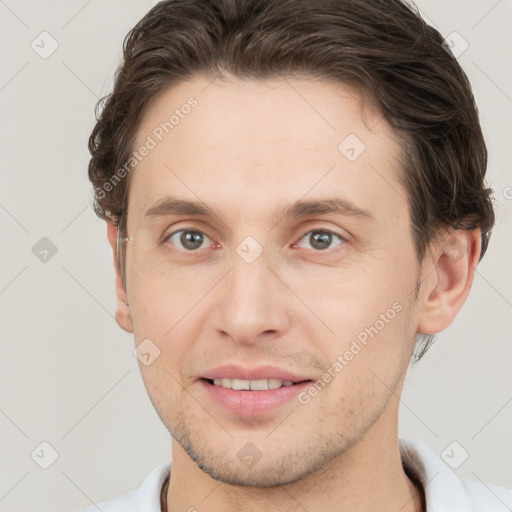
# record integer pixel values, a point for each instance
(365, 363)
(162, 370)
(369, 314)
(164, 390)
(158, 305)
(165, 320)
(353, 299)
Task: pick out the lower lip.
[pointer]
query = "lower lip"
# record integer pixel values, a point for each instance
(252, 403)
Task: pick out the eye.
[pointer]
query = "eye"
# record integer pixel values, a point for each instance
(190, 239)
(320, 239)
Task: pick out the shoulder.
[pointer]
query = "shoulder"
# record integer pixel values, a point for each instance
(444, 490)
(144, 499)
(488, 497)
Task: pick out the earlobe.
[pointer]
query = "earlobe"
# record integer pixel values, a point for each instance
(450, 281)
(123, 316)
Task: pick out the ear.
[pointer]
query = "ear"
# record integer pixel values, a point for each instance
(448, 285)
(123, 317)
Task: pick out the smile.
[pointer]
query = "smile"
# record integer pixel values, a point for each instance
(253, 385)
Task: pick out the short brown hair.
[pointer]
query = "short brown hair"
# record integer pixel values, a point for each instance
(383, 47)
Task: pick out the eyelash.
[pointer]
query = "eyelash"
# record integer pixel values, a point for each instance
(342, 239)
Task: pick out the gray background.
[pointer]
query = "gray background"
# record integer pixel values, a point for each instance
(68, 374)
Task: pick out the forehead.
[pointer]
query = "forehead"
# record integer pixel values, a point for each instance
(253, 143)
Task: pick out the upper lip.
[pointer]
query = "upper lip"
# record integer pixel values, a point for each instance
(231, 371)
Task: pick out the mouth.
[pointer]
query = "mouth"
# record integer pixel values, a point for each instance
(252, 385)
(251, 398)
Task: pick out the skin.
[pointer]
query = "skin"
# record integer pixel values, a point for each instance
(247, 149)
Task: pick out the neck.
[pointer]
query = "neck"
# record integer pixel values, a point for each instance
(367, 477)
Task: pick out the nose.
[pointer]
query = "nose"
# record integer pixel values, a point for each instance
(252, 303)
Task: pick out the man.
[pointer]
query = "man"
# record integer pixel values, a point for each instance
(294, 195)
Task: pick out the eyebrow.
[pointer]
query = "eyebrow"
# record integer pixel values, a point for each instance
(335, 205)
(301, 208)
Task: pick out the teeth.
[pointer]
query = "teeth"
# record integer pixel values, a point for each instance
(253, 385)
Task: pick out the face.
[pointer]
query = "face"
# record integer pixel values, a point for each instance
(271, 239)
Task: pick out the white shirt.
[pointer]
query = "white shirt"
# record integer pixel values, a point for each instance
(444, 490)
